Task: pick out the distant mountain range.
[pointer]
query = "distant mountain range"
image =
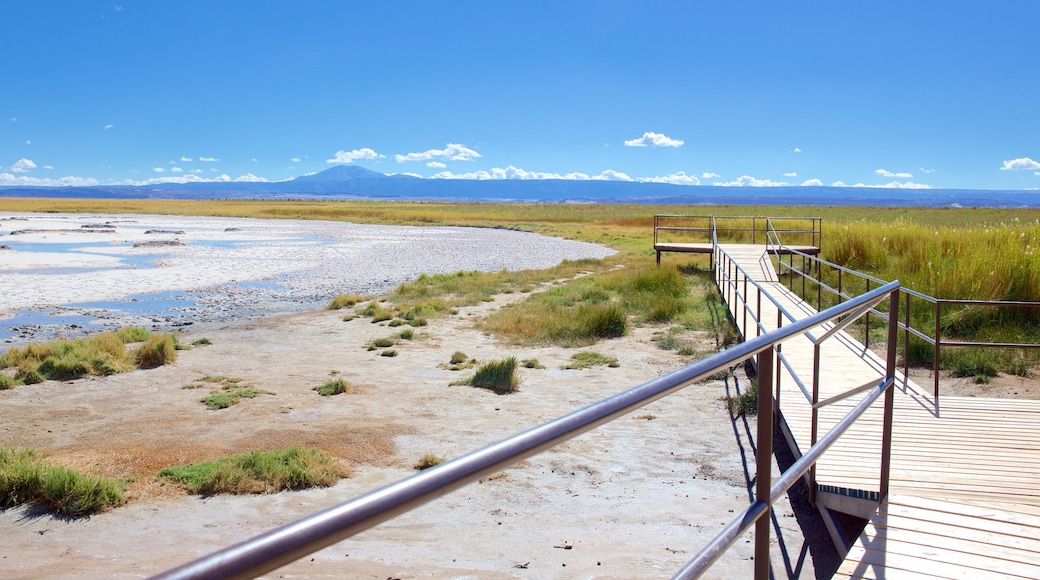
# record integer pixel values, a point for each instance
(352, 182)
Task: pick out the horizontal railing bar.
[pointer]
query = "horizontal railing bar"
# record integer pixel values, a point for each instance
(852, 317)
(1014, 303)
(742, 523)
(292, 541)
(794, 375)
(845, 395)
(1026, 345)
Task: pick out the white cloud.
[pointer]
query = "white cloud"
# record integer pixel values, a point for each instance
(410, 174)
(1023, 163)
(651, 139)
(254, 160)
(186, 159)
(677, 178)
(710, 175)
(21, 180)
(176, 169)
(512, 172)
(791, 174)
(812, 183)
(890, 185)
(748, 181)
(887, 173)
(196, 171)
(796, 150)
(1036, 173)
(158, 169)
(436, 165)
(107, 127)
(23, 165)
(249, 177)
(923, 170)
(208, 159)
(451, 152)
(28, 142)
(297, 159)
(48, 167)
(351, 156)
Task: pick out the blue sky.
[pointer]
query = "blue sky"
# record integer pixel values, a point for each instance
(913, 94)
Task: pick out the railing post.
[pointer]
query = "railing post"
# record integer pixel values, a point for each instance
(886, 439)
(840, 298)
(758, 311)
(744, 332)
(906, 343)
(938, 342)
(815, 421)
(866, 319)
(764, 462)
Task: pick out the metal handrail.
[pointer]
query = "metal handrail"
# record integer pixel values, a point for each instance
(290, 542)
(936, 341)
(815, 228)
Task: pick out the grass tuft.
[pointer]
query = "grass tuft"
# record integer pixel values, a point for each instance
(344, 301)
(427, 461)
(333, 387)
(499, 376)
(26, 479)
(587, 359)
(258, 472)
(157, 351)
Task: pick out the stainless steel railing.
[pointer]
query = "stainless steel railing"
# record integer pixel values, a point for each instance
(290, 542)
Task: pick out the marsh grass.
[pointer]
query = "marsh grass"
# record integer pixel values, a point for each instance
(201, 342)
(332, 387)
(601, 305)
(389, 353)
(345, 301)
(588, 359)
(258, 472)
(26, 479)
(531, 363)
(499, 376)
(99, 355)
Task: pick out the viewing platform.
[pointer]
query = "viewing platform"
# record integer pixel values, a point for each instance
(964, 495)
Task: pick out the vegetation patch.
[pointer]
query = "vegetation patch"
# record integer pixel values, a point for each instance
(427, 461)
(389, 353)
(201, 342)
(499, 376)
(587, 359)
(229, 391)
(345, 301)
(531, 363)
(336, 386)
(103, 354)
(258, 472)
(743, 403)
(26, 479)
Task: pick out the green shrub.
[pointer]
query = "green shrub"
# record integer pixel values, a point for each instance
(333, 387)
(158, 350)
(407, 334)
(397, 322)
(29, 373)
(388, 353)
(6, 382)
(383, 342)
(971, 362)
(344, 301)
(201, 342)
(418, 321)
(499, 376)
(258, 472)
(458, 357)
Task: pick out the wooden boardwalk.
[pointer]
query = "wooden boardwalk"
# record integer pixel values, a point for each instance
(964, 498)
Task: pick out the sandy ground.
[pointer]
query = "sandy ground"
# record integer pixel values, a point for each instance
(638, 497)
